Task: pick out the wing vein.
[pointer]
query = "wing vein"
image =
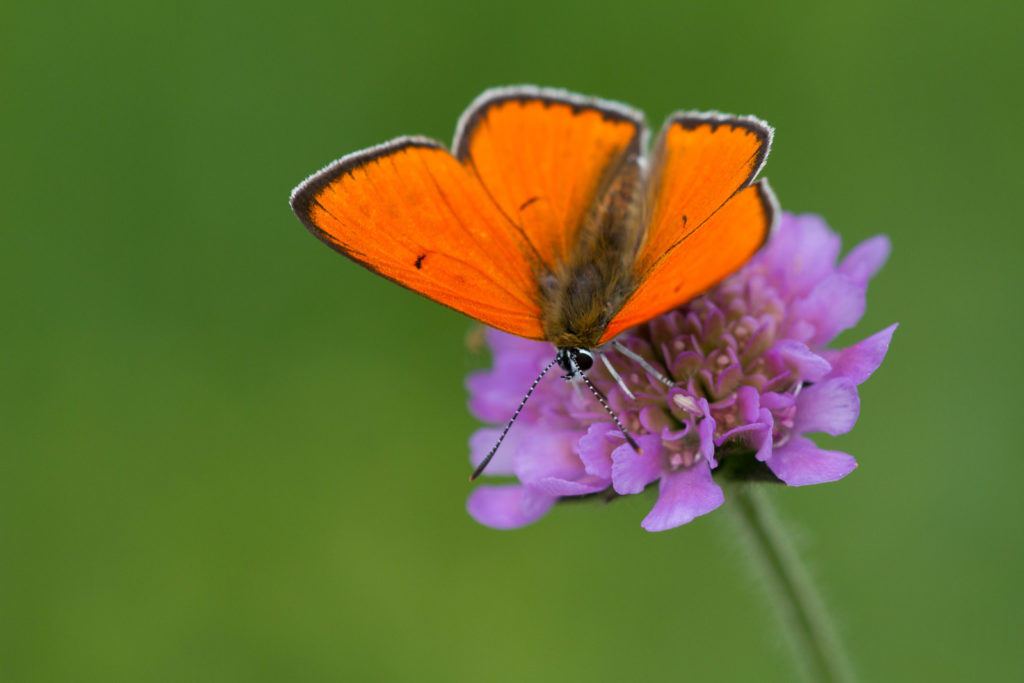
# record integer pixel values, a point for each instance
(471, 235)
(701, 224)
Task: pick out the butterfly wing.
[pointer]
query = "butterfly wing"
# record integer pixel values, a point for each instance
(543, 155)
(704, 219)
(408, 210)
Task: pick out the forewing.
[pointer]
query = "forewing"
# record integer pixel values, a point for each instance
(544, 155)
(408, 210)
(699, 162)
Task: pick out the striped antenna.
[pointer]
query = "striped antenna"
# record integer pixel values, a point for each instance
(480, 468)
(604, 403)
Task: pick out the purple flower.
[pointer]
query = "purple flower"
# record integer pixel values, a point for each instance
(750, 377)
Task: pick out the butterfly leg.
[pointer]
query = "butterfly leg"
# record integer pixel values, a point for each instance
(618, 378)
(642, 362)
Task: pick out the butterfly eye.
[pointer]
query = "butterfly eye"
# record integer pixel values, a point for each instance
(573, 359)
(584, 359)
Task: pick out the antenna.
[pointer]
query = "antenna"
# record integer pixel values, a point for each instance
(480, 468)
(594, 390)
(604, 403)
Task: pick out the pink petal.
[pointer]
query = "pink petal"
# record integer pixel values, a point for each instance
(803, 251)
(632, 471)
(596, 446)
(834, 305)
(653, 418)
(764, 449)
(554, 486)
(866, 259)
(483, 440)
(706, 432)
(756, 436)
(831, 406)
(507, 507)
(809, 366)
(860, 360)
(800, 462)
(749, 400)
(546, 453)
(495, 393)
(683, 495)
(775, 401)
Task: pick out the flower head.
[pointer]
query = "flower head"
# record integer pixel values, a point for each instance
(744, 376)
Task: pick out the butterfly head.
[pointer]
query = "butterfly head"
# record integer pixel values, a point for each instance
(574, 360)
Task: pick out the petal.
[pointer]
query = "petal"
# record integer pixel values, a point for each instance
(495, 394)
(857, 362)
(756, 436)
(866, 259)
(507, 507)
(764, 449)
(596, 446)
(706, 431)
(775, 401)
(800, 462)
(554, 486)
(831, 407)
(632, 471)
(668, 434)
(683, 495)
(484, 404)
(795, 355)
(803, 252)
(835, 304)
(484, 439)
(654, 418)
(742, 434)
(749, 401)
(545, 454)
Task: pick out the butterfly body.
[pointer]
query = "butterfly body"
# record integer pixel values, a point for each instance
(586, 291)
(546, 219)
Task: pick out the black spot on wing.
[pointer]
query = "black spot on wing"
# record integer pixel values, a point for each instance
(529, 201)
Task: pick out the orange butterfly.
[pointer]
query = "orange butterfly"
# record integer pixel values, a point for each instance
(547, 220)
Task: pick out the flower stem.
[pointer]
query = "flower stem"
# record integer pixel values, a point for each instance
(814, 642)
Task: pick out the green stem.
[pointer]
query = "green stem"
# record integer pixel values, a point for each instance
(811, 635)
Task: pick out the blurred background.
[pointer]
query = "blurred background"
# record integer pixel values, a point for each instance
(227, 453)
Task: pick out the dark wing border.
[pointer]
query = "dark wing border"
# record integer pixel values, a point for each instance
(303, 197)
(690, 120)
(609, 109)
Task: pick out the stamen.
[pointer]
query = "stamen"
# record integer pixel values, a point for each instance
(687, 403)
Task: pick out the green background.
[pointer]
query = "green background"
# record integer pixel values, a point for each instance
(229, 454)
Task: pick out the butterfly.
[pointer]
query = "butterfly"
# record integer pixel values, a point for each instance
(547, 218)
